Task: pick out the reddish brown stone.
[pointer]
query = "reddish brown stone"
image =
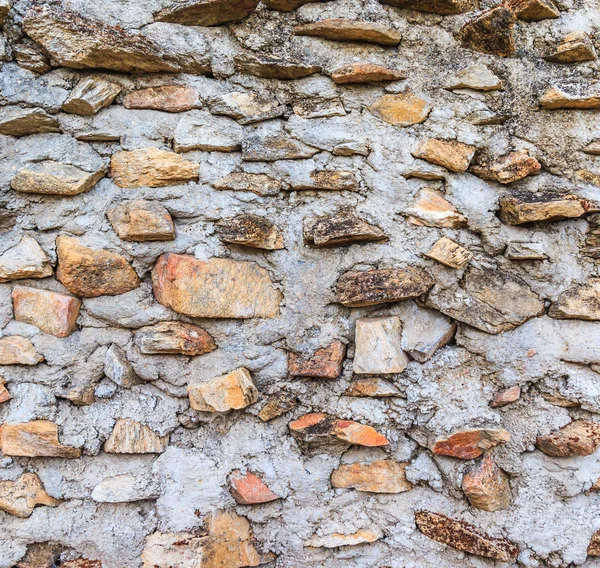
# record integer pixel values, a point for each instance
(487, 487)
(249, 489)
(173, 337)
(470, 444)
(365, 73)
(325, 363)
(277, 405)
(384, 476)
(4, 394)
(454, 156)
(167, 98)
(579, 438)
(506, 396)
(490, 32)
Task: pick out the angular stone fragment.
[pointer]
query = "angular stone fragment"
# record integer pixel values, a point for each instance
(490, 300)
(51, 312)
(594, 546)
(249, 489)
(53, 178)
(525, 251)
(17, 121)
(464, 537)
(506, 396)
(486, 486)
(21, 496)
(166, 98)
(365, 73)
(425, 331)
(227, 392)
(118, 368)
(206, 12)
(509, 168)
(247, 107)
(326, 180)
(261, 184)
(485, 117)
(125, 488)
(470, 444)
(576, 47)
(579, 302)
(174, 337)
(477, 77)
(35, 439)
(385, 476)
(522, 207)
(368, 288)
(555, 98)
(373, 387)
(142, 221)
(273, 67)
(579, 438)
(29, 55)
(324, 363)
(443, 7)
(270, 147)
(431, 209)
(277, 405)
(89, 272)
(340, 29)
(403, 109)
(207, 133)
(131, 437)
(17, 350)
(454, 156)
(534, 10)
(4, 394)
(24, 260)
(378, 350)
(424, 170)
(336, 540)
(90, 95)
(449, 253)
(151, 167)
(490, 32)
(340, 229)
(319, 108)
(215, 288)
(351, 148)
(593, 148)
(251, 231)
(173, 550)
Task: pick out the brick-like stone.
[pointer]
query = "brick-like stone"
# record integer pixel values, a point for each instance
(35, 439)
(261, 184)
(53, 178)
(534, 10)
(341, 29)
(454, 156)
(431, 209)
(509, 168)
(525, 251)
(365, 73)
(21, 496)
(166, 98)
(443, 7)
(17, 121)
(277, 405)
(403, 109)
(486, 486)
(579, 438)
(490, 32)
(249, 489)
(575, 48)
(273, 67)
(90, 95)
(131, 437)
(335, 540)
(328, 180)
(319, 108)
(174, 337)
(206, 12)
(378, 346)
(17, 350)
(233, 391)
(556, 98)
(470, 444)
(204, 132)
(142, 221)
(118, 368)
(449, 253)
(506, 396)
(247, 107)
(251, 231)
(273, 146)
(340, 229)
(579, 302)
(477, 77)
(373, 387)
(25, 260)
(324, 363)
(522, 207)
(384, 476)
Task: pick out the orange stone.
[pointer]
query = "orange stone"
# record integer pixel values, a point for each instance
(470, 444)
(167, 98)
(384, 476)
(325, 363)
(594, 546)
(17, 350)
(506, 396)
(365, 73)
(452, 155)
(38, 438)
(402, 109)
(359, 434)
(579, 438)
(249, 489)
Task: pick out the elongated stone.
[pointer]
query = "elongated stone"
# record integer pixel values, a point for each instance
(17, 121)
(21, 496)
(166, 98)
(576, 47)
(53, 178)
(261, 184)
(273, 67)
(247, 108)
(17, 350)
(336, 540)
(404, 109)
(486, 486)
(490, 32)
(131, 437)
(287, 5)
(250, 489)
(525, 251)
(470, 444)
(384, 476)
(24, 260)
(174, 337)
(431, 209)
(534, 10)
(320, 108)
(90, 95)
(274, 146)
(207, 133)
(206, 12)
(509, 168)
(372, 387)
(378, 346)
(454, 156)
(556, 98)
(340, 229)
(142, 221)
(365, 73)
(340, 29)
(593, 148)
(506, 396)
(579, 438)
(477, 77)
(251, 231)
(125, 488)
(518, 208)
(449, 253)
(35, 439)
(326, 180)
(233, 391)
(324, 363)
(118, 368)
(579, 302)
(443, 7)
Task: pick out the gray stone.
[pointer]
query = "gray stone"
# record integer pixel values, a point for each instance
(90, 95)
(199, 130)
(246, 108)
(125, 488)
(118, 369)
(525, 251)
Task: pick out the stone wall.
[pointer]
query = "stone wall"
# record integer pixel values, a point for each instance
(299, 284)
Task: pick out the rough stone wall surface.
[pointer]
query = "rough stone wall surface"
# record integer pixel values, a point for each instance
(291, 294)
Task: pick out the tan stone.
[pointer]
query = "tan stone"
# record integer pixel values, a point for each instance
(251, 231)
(201, 131)
(579, 302)
(227, 392)
(324, 363)
(509, 168)
(525, 251)
(30, 56)
(166, 98)
(594, 546)
(215, 288)
(275, 146)
(25, 260)
(4, 394)
(277, 405)
(173, 550)
(206, 12)
(118, 368)
(17, 121)
(378, 346)
(51, 312)
(373, 387)
(443, 7)
(261, 184)
(524, 207)
(5, 6)
(151, 167)
(247, 107)
(340, 29)
(142, 221)
(273, 67)
(329, 180)
(249, 489)
(506, 396)
(534, 10)
(449, 253)
(340, 229)
(454, 156)
(385, 476)
(593, 148)
(336, 540)
(21, 496)
(35, 439)
(555, 98)
(486, 486)
(16, 350)
(470, 444)
(316, 107)
(90, 95)
(490, 32)
(131, 437)
(365, 73)
(576, 47)
(174, 337)
(403, 109)
(431, 209)
(54, 178)
(579, 438)
(90, 272)
(287, 5)
(588, 177)
(477, 77)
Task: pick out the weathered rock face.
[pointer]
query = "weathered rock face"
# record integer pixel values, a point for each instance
(366, 73)
(374, 387)
(16, 350)
(90, 95)
(378, 346)
(21, 496)
(339, 29)
(168, 98)
(385, 476)
(249, 489)
(580, 302)
(534, 10)
(509, 168)
(124, 488)
(556, 98)
(142, 221)
(521, 207)
(477, 77)
(449, 253)
(17, 121)
(34, 439)
(270, 147)
(131, 437)
(261, 184)
(327, 180)
(576, 47)
(506, 396)
(273, 67)
(246, 108)
(325, 363)
(487, 487)
(227, 392)
(594, 546)
(206, 12)
(251, 231)
(404, 109)
(453, 155)
(470, 444)
(490, 32)
(24, 260)
(579, 438)
(54, 178)
(443, 7)
(431, 209)
(202, 131)
(118, 369)
(525, 251)
(340, 229)
(174, 337)
(277, 405)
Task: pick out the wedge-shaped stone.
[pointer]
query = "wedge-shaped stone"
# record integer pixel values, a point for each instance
(340, 29)
(534, 10)
(449, 253)
(556, 98)
(340, 229)
(249, 489)
(486, 486)
(277, 405)
(131, 437)
(368, 288)
(233, 391)
(403, 109)
(593, 148)
(324, 363)
(261, 184)
(385, 476)
(431, 209)
(215, 288)
(273, 67)
(579, 302)
(490, 300)
(167, 98)
(443, 7)
(30, 56)
(89, 272)
(465, 537)
(142, 221)
(506, 396)
(365, 73)
(24, 260)
(251, 231)
(79, 42)
(17, 350)
(34, 440)
(21, 496)
(17, 121)
(378, 346)
(207, 133)
(509, 168)
(477, 77)
(328, 180)
(53, 178)
(576, 47)
(373, 387)
(247, 107)
(90, 95)
(454, 156)
(579, 438)
(490, 32)
(470, 444)
(53, 313)
(336, 540)
(174, 337)
(206, 12)
(287, 5)
(273, 146)
(118, 368)
(151, 167)
(518, 208)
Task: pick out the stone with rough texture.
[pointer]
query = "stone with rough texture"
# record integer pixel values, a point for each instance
(53, 178)
(174, 337)
(593, 148)
(89, 272)
(576, 47)
(385, 476)
(470, 444)
(579, 438)
(477, 77)
(5, 6)
(534, 10)
(124, 488)
(207, 133)
(594, 546)
(273, 67)
(324, 363)
(261, 184)
(320, 108)
(142, 221)
(90, 95)
(249, 489)
(509, 168)
(365, 73)
(206, 12)
(17, 350)
(326, 180)
(233, 391)
(374, 387)
(522, 207)
(251, 231)
(449, 253)
(166, 98)
(246, 107)
(172, 550)
(276, 406)
(17, 121)
(131, 437)
(30, 56)
(340, 29)
(404, 109)
(556, 98)
(579, 302)
(4, 394)
(118, 368)
(486, 486)
(340, 229)
(35, 439)
(25, 260)
(287, 5)
(431, 209)
(215, 288)
(21, 496)
(443, 7)
(506, 396)
(525, 251)
(270, 147)
(454, 156)
(378, 346)
(490, 32)
(336, 540)
(425, 331)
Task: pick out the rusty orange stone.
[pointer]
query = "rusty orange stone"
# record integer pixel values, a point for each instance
(307, 420)
(486, 486)
(249, 489)
(4, 394)
(470, 444)
(359, 434)
(325, 363)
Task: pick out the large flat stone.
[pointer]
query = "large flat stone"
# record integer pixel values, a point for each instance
(340, 29)
(38, 438)
(522, 207)
(166, 98)
(206, 12)
(579, 438)
(251, 231)
(17, 121)
(203, 131)
(340, 229)
(383, 476)
(24, 260)
(579, 302)
(378, 346)
(174, 338)
(443, 7)
(557, 98)
(324, 363)
(53, 178)
(273, 67)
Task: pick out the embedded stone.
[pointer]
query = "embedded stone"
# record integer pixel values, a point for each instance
(35, 439)
(486, 486)
(233, 391)
(506, 396)
(118, 368)
(251, 231)
(5, 6)
(477, 77)
(336, 540)
(273, 67)
(490, 32)
(90, 95)
(593, 148)
(172, 550)
(276, 406)
(442, 7)
(151, 167)
(379, 286)
(509, 168)
(594, 546)
(17, 121)
(166, 98)
(30, 56)
(579, 438)
(131, 437)
(373, 387)
(21, 496)
(51, 312)
(470, 444)
(17, 350)
(324, 363)
(287, 5)
(261, 184)
(525, 251)
(207, 133)
(424, 170)
(454, 156)
(449, 253)
(588, 177)
(319, 108)
(534, 10)
(385, 476)
(125, 488)
(4, 394)
(341, 29)
(340, 229)
(522, 207)
(247, 107)
(326, 180)
(25, 260)
(464, 537)
(270, 147)
(403, 109)
(351, 148)
(431, 209)
(142, 221)
(206, 12)
(555, 98)
(576, 47)
(365, 73)
(249, 489)
(378, 350)
(579, 302)
(53, 178)
(215, 288)
(89, 272)
(175, 338)
(485, 117)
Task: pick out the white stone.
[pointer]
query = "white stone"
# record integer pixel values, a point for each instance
(378, 346)
(124, 488)
(477, 77)
(24, 260)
